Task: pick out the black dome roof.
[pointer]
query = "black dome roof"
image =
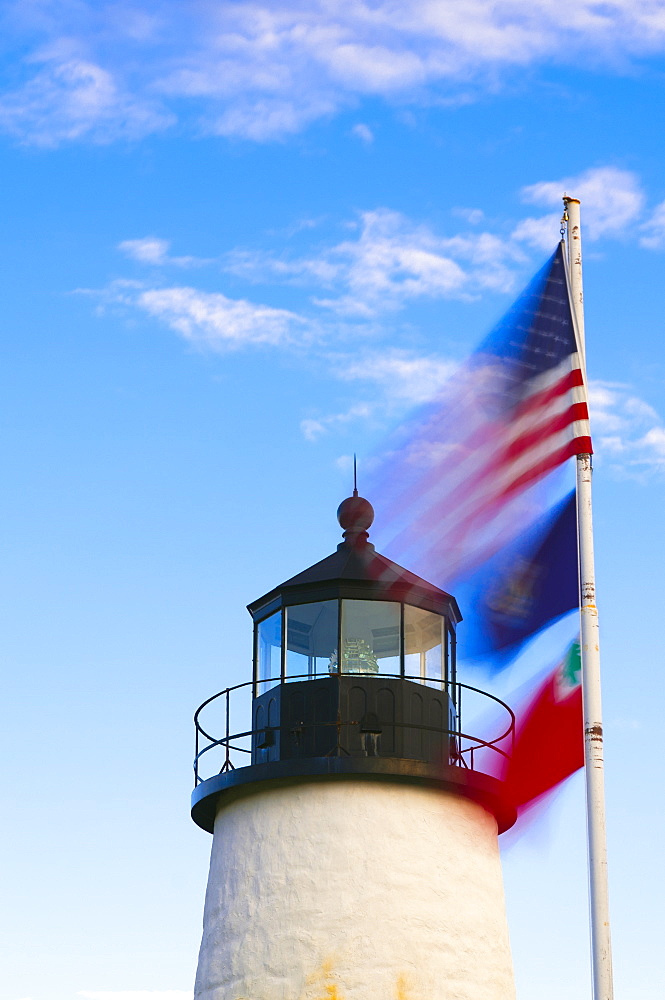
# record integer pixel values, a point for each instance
(356, 570)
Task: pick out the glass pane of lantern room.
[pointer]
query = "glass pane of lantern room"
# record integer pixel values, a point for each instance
(370, 637)
(311, 639)
(423, 645)
(269, 651)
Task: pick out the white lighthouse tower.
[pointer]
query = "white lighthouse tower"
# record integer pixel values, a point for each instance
(355, 831)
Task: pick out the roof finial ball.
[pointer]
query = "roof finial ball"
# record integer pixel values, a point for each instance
(355, 515)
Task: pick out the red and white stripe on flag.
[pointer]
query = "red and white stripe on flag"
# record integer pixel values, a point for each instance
(550, 425)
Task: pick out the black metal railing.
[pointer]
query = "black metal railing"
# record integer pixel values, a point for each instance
(234, 749)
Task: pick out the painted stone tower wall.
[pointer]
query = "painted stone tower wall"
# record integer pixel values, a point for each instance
(354, 890)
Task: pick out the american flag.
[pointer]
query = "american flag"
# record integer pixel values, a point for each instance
(462, 477)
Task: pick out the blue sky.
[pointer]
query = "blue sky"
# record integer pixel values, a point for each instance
(243, 241)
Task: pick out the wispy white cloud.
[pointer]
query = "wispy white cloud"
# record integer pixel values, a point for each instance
(406, 377)
(74, 98)
(538, 232)
(265, 266)
(209, 319)
(623, 724)
(612, 199)
(314, 427)
(392, 261)
(474, 216)
(136, 994)
(363, 132)
(389, 261)
(153, 250)
(264, 70)
(629, 434)
(269, 118)
(393, 379)
(654, 229)
(213, 320)
(386, 263)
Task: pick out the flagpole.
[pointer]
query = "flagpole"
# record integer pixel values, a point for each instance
(601, 954)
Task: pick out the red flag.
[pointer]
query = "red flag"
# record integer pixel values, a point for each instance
(549, 744)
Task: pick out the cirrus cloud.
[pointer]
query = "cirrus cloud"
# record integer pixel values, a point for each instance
(654, 229)
(153, 250)
(213, 320)
(386, 263)
(74, 98)
(209, 320)
(389, 261)
(612, 199)
(629, 434)
(402, 375)
(263, 70)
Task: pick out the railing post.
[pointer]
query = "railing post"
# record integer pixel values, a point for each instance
(227, 762)
(459, 712)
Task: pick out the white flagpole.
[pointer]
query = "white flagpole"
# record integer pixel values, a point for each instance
(601, 954)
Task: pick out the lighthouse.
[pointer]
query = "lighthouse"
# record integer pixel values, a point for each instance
(354, 820)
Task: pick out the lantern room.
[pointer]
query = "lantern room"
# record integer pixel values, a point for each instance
(359, 639)
(355, 612)
(354, 673)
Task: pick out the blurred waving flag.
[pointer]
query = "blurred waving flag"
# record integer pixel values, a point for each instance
(549, 744)
(526, 586)
(467, 487)
(461, 478)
